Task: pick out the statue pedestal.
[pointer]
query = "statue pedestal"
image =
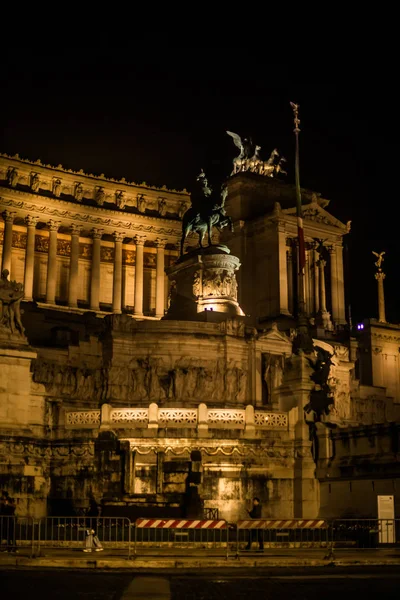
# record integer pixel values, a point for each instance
(203, 285)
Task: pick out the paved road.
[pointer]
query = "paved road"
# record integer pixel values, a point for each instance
(275, 585)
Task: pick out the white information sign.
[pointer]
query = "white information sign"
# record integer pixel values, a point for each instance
(386, 520)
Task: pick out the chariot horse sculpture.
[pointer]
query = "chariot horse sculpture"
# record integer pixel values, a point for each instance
(206, 214)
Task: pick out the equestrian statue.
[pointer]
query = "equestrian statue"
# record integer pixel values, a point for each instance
(205, 213)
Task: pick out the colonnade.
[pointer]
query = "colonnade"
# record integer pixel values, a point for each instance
(315, 280)
(95, 283)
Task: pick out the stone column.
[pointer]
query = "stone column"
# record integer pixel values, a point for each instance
(322, 291)
(283, 280)
(8, 217)
(31, 223)
(380, 276)
(289, 255)
(95, 273)
(316, 280)
(117, 273)
(52, 263)
(160, 278)
(323, 317)
(138, 308)
(73, 267)
(340, 285)
(334, 283)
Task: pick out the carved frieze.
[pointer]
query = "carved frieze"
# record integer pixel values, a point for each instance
(63, 247)
(106, 254)
(85, 251)
(149, 260)
(19, 239)
(217, 282)
(41, 244)
(128, 257)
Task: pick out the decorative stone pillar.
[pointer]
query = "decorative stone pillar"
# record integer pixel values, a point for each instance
(322, 291)
(160, 278)
(202, 420)
(380, 276)
(323, 318)
(95, 273)
(31, 223)
(250, 426)
(52, 263)
(283, 279)
(316, 280)
(341, 318)
(138, 306)
(117, 273)
(289, 258)
(334, 283)
(73, 267)
(8, 217)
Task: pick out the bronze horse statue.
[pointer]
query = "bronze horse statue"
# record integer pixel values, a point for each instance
(208, 215)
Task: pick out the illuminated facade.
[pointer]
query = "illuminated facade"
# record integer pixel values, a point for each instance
(112, 401)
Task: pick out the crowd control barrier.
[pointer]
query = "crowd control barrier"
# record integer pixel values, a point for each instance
(365, 534)
(114, 533)
(182, 533)
(286, 533)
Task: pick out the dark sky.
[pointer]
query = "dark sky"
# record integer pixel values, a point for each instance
(160, 115)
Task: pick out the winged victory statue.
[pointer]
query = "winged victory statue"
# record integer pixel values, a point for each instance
(249, 158)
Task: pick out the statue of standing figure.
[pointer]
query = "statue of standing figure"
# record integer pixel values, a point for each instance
(11, 294)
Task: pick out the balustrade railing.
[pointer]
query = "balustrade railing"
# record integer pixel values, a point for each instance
(202, 418)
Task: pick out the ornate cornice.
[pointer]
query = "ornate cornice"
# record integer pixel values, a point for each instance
(54, 171)
(138, 224)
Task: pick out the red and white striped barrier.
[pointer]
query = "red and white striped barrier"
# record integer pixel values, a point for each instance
(179, 524)
(282, 524)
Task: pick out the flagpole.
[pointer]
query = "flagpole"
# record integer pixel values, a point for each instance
(300, 231)
(303, 340)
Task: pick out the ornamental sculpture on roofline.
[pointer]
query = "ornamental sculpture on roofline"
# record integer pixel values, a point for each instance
(249, 158)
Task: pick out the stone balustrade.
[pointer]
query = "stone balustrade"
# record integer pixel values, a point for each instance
(202, 419)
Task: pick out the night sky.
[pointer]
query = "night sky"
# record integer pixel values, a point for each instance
(161, 117)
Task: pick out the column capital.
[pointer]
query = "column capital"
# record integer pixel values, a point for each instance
(97, 233)
(8, 216)
(322, 263)
(139, 240)
(160, 242)
(332, 248)
(118, 236)
(75, 229)
(31, 221)
(53, 225)
(380, 275)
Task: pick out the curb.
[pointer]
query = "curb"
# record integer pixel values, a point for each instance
(178, 563)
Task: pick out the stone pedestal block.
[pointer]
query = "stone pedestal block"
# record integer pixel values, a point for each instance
(16, 408)
(203, 284)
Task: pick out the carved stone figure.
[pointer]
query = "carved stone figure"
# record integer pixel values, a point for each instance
(249, 158)
(208, 214)
(141, 203)
(11, 294)
(120, 199)
(162, 207)
(380, 259)
(57, 187)
(100, 196)
(78, 193)
(35, 183)
(197, 284)
(12, 177)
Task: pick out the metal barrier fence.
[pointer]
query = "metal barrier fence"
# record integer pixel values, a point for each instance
(213, 535)
(286, 533)
(364, 534)
(183, 533)
(70, 532)
(16, 532)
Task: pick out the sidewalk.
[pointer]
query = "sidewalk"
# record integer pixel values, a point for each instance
(169, 558)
